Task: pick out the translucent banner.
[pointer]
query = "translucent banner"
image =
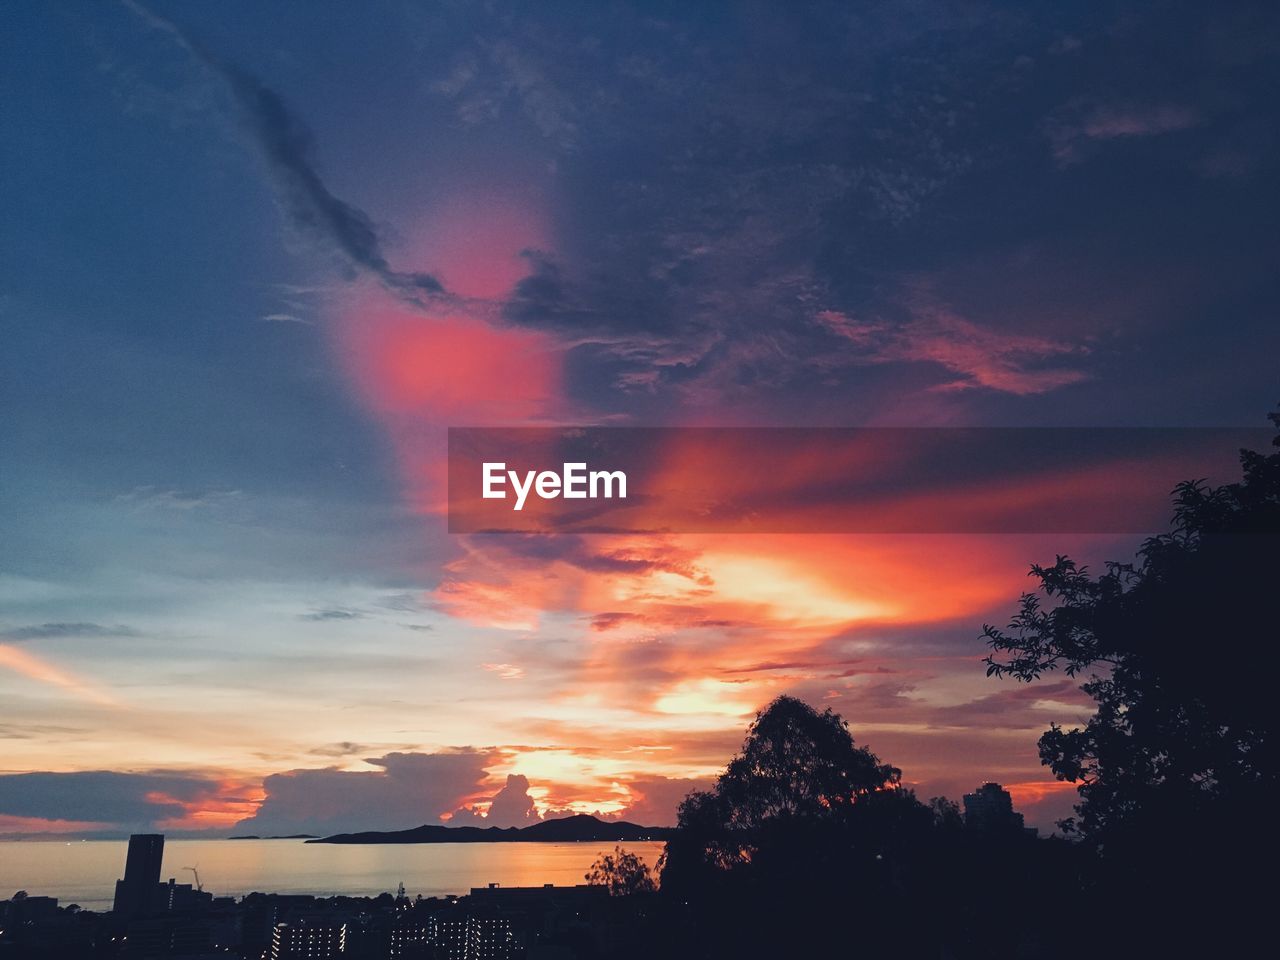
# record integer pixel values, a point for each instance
(830, 480)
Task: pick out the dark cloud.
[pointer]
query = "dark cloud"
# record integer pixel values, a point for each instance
(637, 557)
(656, 800)
(509, 807)
(43, 631)
(34, 731)
(407, 790)
(824, 665)
(332, 613)
(724, 171)
(344, 748)
(285, 145)
(1025, 709)
(729, 194)
(544, 299)
(1017, 707)
(403, 602)
(100, 796)
(723, 195)
(603, 622)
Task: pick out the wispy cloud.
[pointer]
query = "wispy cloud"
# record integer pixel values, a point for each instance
(44, 631)
(1075, 127)
(156, 498)
(41, 670)
(330, 614)
(285, 146)
(344, 748)
(507, 671)
(1007, 362)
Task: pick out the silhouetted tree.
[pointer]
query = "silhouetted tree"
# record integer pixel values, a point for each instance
(801, 820)
(799, 772)
(622, 872)
(798, 763)
(1177, 766)
(946, 814)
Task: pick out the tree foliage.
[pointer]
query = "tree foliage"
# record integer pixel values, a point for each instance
(798, 763)
(808, 842)
(1177, 648)
(798, 784)
(622, 872)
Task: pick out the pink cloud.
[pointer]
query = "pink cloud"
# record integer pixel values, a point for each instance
(1109, 122)
(1019, 364)
(1075, 128)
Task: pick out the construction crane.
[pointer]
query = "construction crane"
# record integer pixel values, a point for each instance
(199, 886)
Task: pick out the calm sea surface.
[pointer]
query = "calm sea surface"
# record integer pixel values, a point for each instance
(85, 872)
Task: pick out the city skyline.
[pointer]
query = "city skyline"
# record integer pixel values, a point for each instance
(259, 262)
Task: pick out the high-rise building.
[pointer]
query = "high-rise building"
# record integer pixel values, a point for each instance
(308, 938)
(136, 894)
(451, 934)
(167, 936)
(990, 808)
(490, 938)
(413, 938)
(183, 897)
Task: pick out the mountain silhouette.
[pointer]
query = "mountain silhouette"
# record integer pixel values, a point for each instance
(580, 827)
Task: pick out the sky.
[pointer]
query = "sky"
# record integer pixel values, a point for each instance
(256, 261)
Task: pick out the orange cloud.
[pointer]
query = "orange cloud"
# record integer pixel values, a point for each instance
(232, 800)
(674, 642)
(666, 644)
(1032, 792)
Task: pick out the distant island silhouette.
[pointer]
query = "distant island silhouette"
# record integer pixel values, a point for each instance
(275, 836)
(580, 827)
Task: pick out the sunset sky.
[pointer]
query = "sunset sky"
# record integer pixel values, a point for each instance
(256, 261)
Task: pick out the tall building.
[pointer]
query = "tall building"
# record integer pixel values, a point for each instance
(451, 935)
(136, 894)
(307, 938)
(490, 938)
(182, 897)
(167, 936)
(413, 938)
(454, 934)
(990, 808)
